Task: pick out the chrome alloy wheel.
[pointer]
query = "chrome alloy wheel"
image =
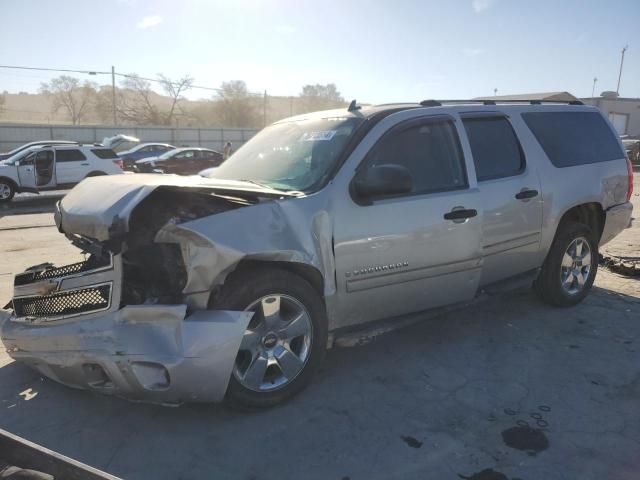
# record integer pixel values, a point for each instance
(276, 344)
(575, 266)
(5, 191)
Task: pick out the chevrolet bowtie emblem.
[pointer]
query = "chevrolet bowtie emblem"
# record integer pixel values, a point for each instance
(47, 286)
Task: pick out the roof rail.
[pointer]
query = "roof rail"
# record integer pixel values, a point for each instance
(438, 103)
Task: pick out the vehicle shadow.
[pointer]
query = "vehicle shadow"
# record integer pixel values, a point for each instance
(432, 397)
(28, 203)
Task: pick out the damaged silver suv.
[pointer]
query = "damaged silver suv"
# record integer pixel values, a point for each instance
(200, 289)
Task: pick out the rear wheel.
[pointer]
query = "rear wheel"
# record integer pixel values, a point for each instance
(570, 268)
(285, 340)
(7, 190)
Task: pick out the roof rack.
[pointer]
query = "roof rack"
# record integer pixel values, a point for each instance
(438, 103)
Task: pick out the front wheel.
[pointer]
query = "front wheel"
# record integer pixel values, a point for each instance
(285, 340)
(7, 191)
(570, 268)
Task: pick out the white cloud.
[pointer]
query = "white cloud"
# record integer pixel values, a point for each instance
(473, 52)
(482, 5)
(150, 21)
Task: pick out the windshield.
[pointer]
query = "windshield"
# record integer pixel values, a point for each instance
(13, 159)
(292, 156)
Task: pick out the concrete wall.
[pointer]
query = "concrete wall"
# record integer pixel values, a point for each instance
(628, 106)
(14, 135)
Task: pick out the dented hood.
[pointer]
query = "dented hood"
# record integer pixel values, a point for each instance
(99, 207)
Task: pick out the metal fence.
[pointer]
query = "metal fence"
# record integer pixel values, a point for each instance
(14, 135)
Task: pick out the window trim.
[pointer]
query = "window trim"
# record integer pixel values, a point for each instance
(394, 130)
(475, 116)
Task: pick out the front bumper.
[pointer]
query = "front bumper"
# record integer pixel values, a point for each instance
(68, 324)
(148, 353)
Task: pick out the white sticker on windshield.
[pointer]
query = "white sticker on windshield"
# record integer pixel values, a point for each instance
(318, 136)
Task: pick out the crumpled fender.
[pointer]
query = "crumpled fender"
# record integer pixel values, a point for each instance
(270, 231)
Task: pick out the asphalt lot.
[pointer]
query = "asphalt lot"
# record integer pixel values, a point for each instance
(510, 387)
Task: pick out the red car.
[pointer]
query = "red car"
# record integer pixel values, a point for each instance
(183, 161)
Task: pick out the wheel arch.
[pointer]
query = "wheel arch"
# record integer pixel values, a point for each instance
(591, 214)
(304, 270)
(95, 173)
(11, 181)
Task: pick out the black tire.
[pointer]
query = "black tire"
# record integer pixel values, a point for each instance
(6, 184)
(548, 285)
(244, 287)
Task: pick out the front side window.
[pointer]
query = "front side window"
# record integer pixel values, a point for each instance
(494, 146)
(429, 150)
(574, 138)
(70, 156)
(292, 156)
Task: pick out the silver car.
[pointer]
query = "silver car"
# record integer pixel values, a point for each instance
(200, 289)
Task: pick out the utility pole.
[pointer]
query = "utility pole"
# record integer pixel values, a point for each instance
(621, 62)
(113, 93)
(264, 109)
(593, 90)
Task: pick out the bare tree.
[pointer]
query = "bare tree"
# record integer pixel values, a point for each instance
(135, 102)
(319, 97)
(68, 94)
(175, 90)
(235, 106)
(138, 103)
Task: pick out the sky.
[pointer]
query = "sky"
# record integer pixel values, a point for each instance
(375, 51)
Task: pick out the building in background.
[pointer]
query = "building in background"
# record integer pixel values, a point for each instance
(623, 112)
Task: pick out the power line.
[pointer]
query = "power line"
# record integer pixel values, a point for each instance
(123, 75)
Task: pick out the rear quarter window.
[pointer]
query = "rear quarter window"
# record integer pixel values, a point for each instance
(104, 153)
(574, 138)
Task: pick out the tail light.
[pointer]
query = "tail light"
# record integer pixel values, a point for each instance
(630, 173)
(119, 162)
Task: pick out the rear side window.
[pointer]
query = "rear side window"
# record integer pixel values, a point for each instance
(69, 156)
(574, 138)
(495, 148)
(429, 150)
(105, 153)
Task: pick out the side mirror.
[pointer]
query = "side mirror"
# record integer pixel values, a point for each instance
(383, 180)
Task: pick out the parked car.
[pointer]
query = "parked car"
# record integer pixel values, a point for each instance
(143, 150)
(54, 167)
(21, 148)
(183, 161)
(199, 289)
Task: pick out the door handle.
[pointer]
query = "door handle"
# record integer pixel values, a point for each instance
(84, 164)
(526, 194)
(460, 214)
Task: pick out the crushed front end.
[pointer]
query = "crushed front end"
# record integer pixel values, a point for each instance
(120, 322)
(68, 323)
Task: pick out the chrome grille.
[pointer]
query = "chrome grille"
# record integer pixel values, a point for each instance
(68, 302)
(28, 277)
